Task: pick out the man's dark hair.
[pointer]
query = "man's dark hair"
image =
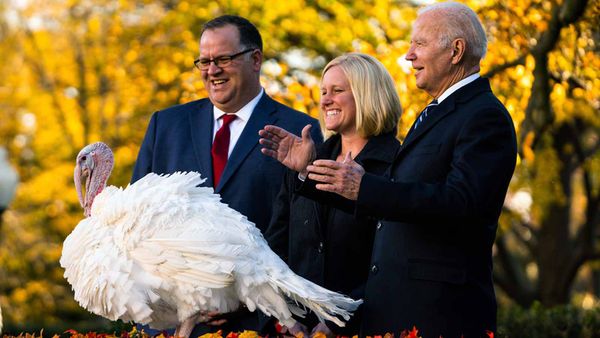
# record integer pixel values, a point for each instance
(249, 35)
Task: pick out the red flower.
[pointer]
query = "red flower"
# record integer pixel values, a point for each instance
(413, 333)
(410, 334)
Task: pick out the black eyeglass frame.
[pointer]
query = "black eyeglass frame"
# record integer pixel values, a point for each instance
(219, 60)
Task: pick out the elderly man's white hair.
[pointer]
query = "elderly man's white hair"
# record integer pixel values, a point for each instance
(460, 21)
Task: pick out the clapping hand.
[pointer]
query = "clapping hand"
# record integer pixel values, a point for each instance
(292, 151)
(342, 178)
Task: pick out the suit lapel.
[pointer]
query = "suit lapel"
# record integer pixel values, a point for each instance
(437, 113)
(264, 113)
(201, 129)
(444, 108)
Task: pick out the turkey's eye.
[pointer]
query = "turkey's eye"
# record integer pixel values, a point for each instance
(83, 158)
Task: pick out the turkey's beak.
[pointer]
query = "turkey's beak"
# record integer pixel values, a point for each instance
(82, 173)
(77, 177)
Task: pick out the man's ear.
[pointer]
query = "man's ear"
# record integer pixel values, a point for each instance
(458, 50)
(257, 59)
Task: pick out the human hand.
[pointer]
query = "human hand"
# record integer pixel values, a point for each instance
(211, 318)
(292, 151)
(342, 178)
(295, 331)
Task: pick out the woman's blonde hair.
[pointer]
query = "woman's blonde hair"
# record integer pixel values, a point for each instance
(378, 107)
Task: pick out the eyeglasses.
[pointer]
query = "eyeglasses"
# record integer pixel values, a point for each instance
(221, 61)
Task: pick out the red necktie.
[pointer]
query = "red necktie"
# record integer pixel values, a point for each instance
(220, 148)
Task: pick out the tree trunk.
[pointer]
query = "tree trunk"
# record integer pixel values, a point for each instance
(555, 254)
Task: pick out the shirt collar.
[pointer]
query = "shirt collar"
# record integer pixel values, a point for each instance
(457, 86)
(244, 112)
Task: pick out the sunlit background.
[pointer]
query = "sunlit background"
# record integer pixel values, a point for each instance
(76, 71)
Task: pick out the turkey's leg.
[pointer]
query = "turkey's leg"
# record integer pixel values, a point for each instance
(185, 329)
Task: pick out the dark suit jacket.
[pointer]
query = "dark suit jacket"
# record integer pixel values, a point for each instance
(432, 256)
(439, 204)
(323, 244)
(180, 138)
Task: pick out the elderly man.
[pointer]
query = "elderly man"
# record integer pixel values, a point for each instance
(218, 136)
(440, 201)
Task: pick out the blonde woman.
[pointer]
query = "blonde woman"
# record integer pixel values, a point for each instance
(359, 114)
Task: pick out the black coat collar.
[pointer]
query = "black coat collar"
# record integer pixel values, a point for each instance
(381, 148)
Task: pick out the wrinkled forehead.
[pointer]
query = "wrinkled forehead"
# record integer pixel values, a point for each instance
(428, 25)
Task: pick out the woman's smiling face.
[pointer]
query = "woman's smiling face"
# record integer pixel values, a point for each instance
(337, 102)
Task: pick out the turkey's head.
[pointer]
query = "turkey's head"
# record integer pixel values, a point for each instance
(94, 165)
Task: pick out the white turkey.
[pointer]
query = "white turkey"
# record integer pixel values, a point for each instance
(163, 250)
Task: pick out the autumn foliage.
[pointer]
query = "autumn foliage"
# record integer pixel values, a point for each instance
(79, 71)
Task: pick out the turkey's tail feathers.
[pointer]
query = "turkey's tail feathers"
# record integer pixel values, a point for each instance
(326, 304)
(303, 294)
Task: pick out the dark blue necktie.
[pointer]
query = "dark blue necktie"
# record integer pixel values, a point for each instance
(424, 113)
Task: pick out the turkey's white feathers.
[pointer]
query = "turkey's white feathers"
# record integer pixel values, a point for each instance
(163, 249)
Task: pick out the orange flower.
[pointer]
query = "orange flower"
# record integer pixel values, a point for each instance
(218, 334)
(248, 334)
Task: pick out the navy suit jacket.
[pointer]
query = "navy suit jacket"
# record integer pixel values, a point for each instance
(438, 207)
(432, 258)
(179, 138)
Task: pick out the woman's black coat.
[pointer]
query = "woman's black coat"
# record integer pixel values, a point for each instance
(323, 244)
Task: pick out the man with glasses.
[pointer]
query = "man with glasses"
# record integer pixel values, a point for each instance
(218, 136)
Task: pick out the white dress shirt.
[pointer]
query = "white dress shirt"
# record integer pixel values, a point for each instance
(236, 126)
(457, 86)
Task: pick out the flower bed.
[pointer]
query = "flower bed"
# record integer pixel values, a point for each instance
(219, 334)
